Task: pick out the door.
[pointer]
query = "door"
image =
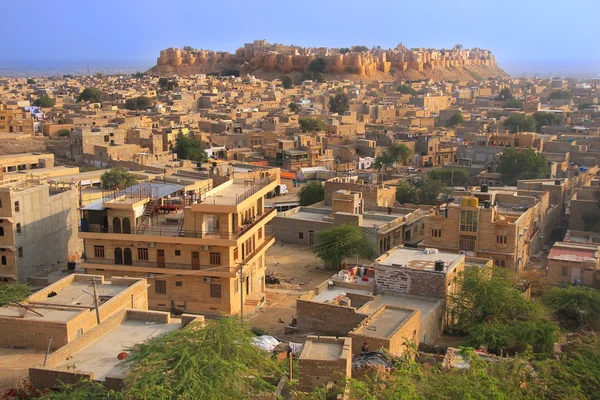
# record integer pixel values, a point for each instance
(248, 285)
(195, 260)
(160, 258)
(575, 275)
(311, 238)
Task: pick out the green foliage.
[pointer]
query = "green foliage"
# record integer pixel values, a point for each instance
(344, 50)
(187, 148)
(311, 193)
(44, 101)
(341, 242)
(117, 178)
(68, 76)
(451, 176)
(188, 48)
(293, 106)
(231, 72)
(317, 66)
(167, 84)
(406, 192)
(30, 81)
(513, 103)
(339, 103)
(559, 94)
(424, 190)
(406, 89)
(13, 293)
(456, 120)
(520, 123)
(138, 103)
(63, 133)
(138, 75)
(360, 49)
(396, 153)
(546, 119)
(584, 106)
(525, 164)
(92, 95)
(287, 82)
(505, 95)
(578, 307)
(458, 46)
(312, 76)
(312, 125)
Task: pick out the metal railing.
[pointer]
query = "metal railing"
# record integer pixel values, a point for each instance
(161, 266)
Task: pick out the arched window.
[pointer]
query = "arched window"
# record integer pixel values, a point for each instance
(126, 225)
(118, 255)
(497, 263)
(1, 231)
(503, 264)
(3, 260)
(127, 259)
(116, 225)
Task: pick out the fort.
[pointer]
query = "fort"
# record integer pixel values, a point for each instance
(264, 57)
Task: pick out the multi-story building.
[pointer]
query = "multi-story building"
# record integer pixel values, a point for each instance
(38, 226)
(16, 121)
(202, 252)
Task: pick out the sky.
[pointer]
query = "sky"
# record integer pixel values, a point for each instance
(522, 34)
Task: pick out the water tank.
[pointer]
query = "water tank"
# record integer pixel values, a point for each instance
(470, 202)
(484, 188)
(439, 265)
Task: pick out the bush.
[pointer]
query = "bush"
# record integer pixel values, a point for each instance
(44, 101)
(92, 95)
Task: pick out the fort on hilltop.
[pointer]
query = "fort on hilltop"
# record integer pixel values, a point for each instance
(263, 57)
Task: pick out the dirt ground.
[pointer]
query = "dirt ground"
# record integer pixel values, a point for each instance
(27, 145)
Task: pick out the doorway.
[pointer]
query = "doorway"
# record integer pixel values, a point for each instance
(196, 260)
(311, 238)
(575, 275)
(160, 258)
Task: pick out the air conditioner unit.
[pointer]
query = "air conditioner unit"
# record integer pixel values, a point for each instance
(205, 248)
(206, 279)
(149, 276)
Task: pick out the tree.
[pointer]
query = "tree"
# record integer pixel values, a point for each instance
(117, 178)
(525, 164)
(560, 94)
(231, 72)
(430, 189)
(339, 103)
(458, 46)
(520, 123)
(63, 133)
(406, 192)
(317, 66)
(406, 89)
(138, 75)
(293, 106)
(14, 293)
(451, 176)
(513, 103)
(188, 48)
(44, 101)
(30, 81)
(187, 148)
(341, 242)
(90, 94)
(167, 84)
(505, 94)
(456, 120)
(312, 125)
(397, 152)
(360, 49)
(344, 50)
(312, 76)
(138, 103)
(546, 119)
(577, 307)
(287, 82)
(312, 193)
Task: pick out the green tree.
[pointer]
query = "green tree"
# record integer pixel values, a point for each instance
(311, 193)
(577, 307)
(406, 89)
(90, 94)
(505, 95)
(138, 75)
(187, 148)
(520, 123)
(312, 76)
(341, 242)
(117, 178)
(317, 66)
(344, 50)
(430, 189)
(287, 82)
(63, 133)
(44, 101)
(546, 119)
(30, 81)
(231, 72)
(451, 176)
(138, 103)
(312, 125)
(397, 152)
(360, 49)
(559, 94)
(167, 84)
(339, 103)
(293, 106)
(525, 164)
(406, 192)
(456, 120)
(513, 103)
(14, 293)
(188, 48)
(458, 46)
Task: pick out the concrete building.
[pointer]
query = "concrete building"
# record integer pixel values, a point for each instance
(25, 162)
(324, 360)
(16, 121)
(38, 226)
(203, 252)
(575, 263)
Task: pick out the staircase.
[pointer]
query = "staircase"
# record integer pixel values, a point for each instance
(253, 300)
(148, 212)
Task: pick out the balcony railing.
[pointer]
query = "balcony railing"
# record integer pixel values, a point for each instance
(160, 266)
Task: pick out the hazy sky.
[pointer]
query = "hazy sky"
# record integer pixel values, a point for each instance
(133, 31)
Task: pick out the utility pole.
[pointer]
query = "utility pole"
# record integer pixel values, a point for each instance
(452, 177)
(241, 272)
(96, 301)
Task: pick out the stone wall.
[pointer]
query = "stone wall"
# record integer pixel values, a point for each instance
(331, 319)
(318, 372)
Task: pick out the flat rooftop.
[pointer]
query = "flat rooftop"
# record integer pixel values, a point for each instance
(323, 214)
(322, 351)
(232, 192)
(43, 314)
(81, 294)
(384, 323)
(416, 259)
(100, 357)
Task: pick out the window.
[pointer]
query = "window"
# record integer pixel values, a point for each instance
(4, 261)
(18, 227)
(300, 235)
(127, 259)
(215, 290)
(118, 256)
(99, 251)
(20, 252)
(215, 258)
(160, 287)
(503, 264)
(17, 208)
(1, 231)
(468, 221)
(437, 233)
(260, 233)
(466, 243)
(178, 283)
(177, 253)
(564, 271)
(501, 239)
(143, 254)
(235, 253)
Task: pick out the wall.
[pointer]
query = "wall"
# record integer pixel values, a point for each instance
(313, 373)
(331, 319)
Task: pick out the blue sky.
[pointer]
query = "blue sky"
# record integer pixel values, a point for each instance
(132, 31)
